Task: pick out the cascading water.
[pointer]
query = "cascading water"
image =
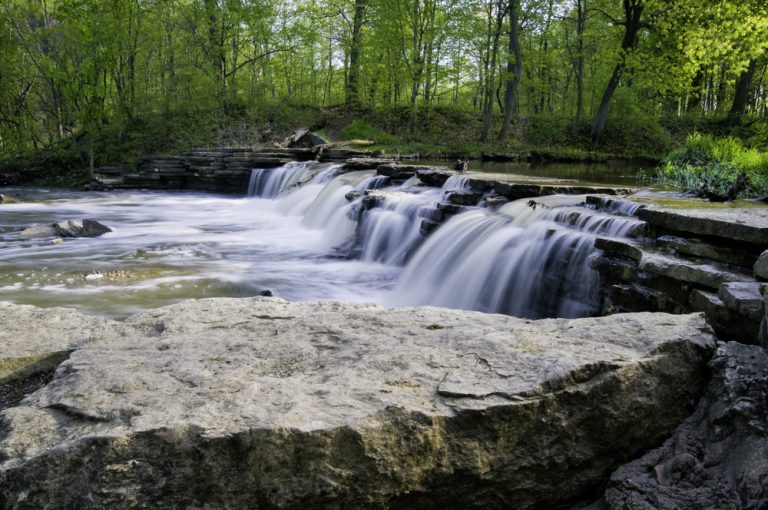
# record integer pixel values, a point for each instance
(390, 232)
(313, 231)
(531, 260)
(270, 182)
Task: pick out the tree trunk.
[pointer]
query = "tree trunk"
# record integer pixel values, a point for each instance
(490, 79)
(352, 97)
(581, 20)
(216, 45)
(694, 98)
(514, 69)
(739, 105)
(605, 102)
(633, 11)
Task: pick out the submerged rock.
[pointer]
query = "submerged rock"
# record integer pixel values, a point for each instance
(717, 458)
(236, 402)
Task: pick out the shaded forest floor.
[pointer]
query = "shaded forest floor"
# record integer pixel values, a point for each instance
(432, 133)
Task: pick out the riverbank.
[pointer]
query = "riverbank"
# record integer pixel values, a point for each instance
(442, 133)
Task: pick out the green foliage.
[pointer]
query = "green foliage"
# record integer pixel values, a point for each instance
(362, 130)
(711, 164)
(125, 76)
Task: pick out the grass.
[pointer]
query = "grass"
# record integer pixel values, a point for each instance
(710, 165)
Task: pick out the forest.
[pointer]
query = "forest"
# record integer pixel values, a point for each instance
(108, 78)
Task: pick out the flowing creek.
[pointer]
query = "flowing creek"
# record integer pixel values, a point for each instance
(304, 232)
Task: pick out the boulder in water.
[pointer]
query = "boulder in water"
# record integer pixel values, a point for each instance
(92, 228)
(67, 228)
(227, 402)
(38, 232)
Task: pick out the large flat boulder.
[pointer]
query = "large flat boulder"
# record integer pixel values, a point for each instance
(717, 458)
(238, 403)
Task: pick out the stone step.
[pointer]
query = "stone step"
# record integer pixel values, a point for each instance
(206, 168)
(397, 171)
(749, 225)
(727, 323)
(463, 198)
(744, 256)
(432, 176)
(427, 227)
(223, 149)
(625, 248)
(745, 298)
(515, 191)
(710, 275)
(435, 215)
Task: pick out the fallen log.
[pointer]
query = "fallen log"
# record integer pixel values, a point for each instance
(319, 149)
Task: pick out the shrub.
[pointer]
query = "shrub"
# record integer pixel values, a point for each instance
(709, 164)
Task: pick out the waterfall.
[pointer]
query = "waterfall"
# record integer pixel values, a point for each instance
(530, 258)
(527, 261)
(270, 182)
(456, 183)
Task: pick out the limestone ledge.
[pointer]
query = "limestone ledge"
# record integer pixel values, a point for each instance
(237, 402)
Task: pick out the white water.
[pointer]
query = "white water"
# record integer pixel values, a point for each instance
(527, 261)
(294, 234)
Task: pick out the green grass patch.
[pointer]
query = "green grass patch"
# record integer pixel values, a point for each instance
(359, 129)
(710, 165)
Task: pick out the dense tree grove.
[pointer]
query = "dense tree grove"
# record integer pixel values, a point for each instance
(71, 67)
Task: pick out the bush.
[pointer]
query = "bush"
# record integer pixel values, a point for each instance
(713, 165)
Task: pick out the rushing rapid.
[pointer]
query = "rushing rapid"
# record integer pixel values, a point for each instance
(310, 231)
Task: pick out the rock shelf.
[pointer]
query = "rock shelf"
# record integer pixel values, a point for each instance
(227, 402)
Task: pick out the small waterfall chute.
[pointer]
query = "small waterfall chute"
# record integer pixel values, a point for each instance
(271, 182)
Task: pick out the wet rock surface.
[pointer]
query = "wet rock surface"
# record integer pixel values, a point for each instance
(717, 458)
(228, 402)
(67, 228)
(761, 266)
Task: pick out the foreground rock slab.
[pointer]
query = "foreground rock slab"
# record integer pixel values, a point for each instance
(717, 458)
(243, 403)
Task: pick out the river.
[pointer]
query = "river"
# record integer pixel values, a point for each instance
(294, 237)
